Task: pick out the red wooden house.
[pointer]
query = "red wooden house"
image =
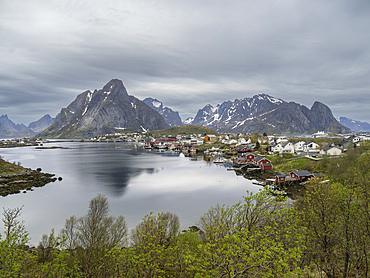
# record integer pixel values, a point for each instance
(301, 175)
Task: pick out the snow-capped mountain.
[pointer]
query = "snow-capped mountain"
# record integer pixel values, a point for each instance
(188, 121)
(356, 126)
(263, 113)
(104, 111)
(171, 117)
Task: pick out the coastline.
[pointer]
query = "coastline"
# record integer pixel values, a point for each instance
(16, 179)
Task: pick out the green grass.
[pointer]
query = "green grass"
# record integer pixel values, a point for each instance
(187, 129)
(282, 164)
(7, 168)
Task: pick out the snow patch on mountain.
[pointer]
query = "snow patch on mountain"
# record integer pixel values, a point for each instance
(171, 117)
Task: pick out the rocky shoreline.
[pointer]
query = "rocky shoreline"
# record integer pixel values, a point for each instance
(23, 182)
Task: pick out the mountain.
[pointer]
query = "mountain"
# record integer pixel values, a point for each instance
(353, 125)
(188, 121)
(104, 111)
(41, 124)
(9, 129)
(171, 117)
(263, 113)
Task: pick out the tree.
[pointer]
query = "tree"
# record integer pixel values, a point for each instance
(92, 237)
(13, 258)
(258, 145)
(253, 238)
(332, 220)
(15, 230)
(154, 245)
(69, 232)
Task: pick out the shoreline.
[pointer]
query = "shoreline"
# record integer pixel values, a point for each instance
(16, 179)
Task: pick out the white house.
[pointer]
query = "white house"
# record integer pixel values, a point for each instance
(311, 147)
(196, 141)
(229, 141)
(288, 147)
(277, 147)
(281, 139)
(329, 150)
(243, 141)
(356, 140)
(270, 138)
(320, 134)
(299, 146)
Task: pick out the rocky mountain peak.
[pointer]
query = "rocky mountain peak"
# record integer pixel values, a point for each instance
(154, 103)
(115, 87)
(171, 117)
(41, 124)
(107, 110)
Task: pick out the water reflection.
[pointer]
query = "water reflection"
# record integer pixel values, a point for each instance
(135, 182)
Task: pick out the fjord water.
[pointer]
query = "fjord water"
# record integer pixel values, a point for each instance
(136, 182)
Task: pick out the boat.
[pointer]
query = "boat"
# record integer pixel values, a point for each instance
(219, 160)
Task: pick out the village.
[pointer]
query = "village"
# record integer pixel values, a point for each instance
(249, 155)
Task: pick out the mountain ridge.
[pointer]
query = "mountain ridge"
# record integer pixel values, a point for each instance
(171, 117)
(264, 113)
(356, 126)
(112, 109)
(104, 111)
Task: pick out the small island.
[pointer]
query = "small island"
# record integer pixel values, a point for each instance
(15, 179)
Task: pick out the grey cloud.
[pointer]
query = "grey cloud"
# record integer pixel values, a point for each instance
(186, 53)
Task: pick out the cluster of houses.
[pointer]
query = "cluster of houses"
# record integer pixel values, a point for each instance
(20, 142)
(250, 159)
(270, 143)
(282, 145)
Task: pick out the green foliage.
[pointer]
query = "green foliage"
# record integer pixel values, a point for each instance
(324, 233)
(154, 245)
(91, 237)
(254, 238)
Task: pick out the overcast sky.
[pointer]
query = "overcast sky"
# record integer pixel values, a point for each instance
(185, 53)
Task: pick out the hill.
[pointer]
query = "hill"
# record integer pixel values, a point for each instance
(188, 129)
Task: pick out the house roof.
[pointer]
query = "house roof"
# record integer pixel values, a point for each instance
(325, 148)
(258, 158)
(302, 173)
(282, 175)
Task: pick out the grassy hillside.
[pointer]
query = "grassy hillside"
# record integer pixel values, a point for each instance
(187, 129)
(7, 168)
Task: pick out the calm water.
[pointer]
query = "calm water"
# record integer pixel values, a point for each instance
(135, 181)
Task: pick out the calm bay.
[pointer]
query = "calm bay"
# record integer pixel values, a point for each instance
(135, 181)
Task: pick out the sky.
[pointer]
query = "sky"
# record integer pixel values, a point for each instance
(185, 53)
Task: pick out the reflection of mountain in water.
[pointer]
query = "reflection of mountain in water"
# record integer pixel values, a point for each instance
(113, 166)
(118, 178)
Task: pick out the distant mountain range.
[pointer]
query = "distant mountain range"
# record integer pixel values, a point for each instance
(353, 125)
(263, 113)
(111, 109)
(8, 129)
